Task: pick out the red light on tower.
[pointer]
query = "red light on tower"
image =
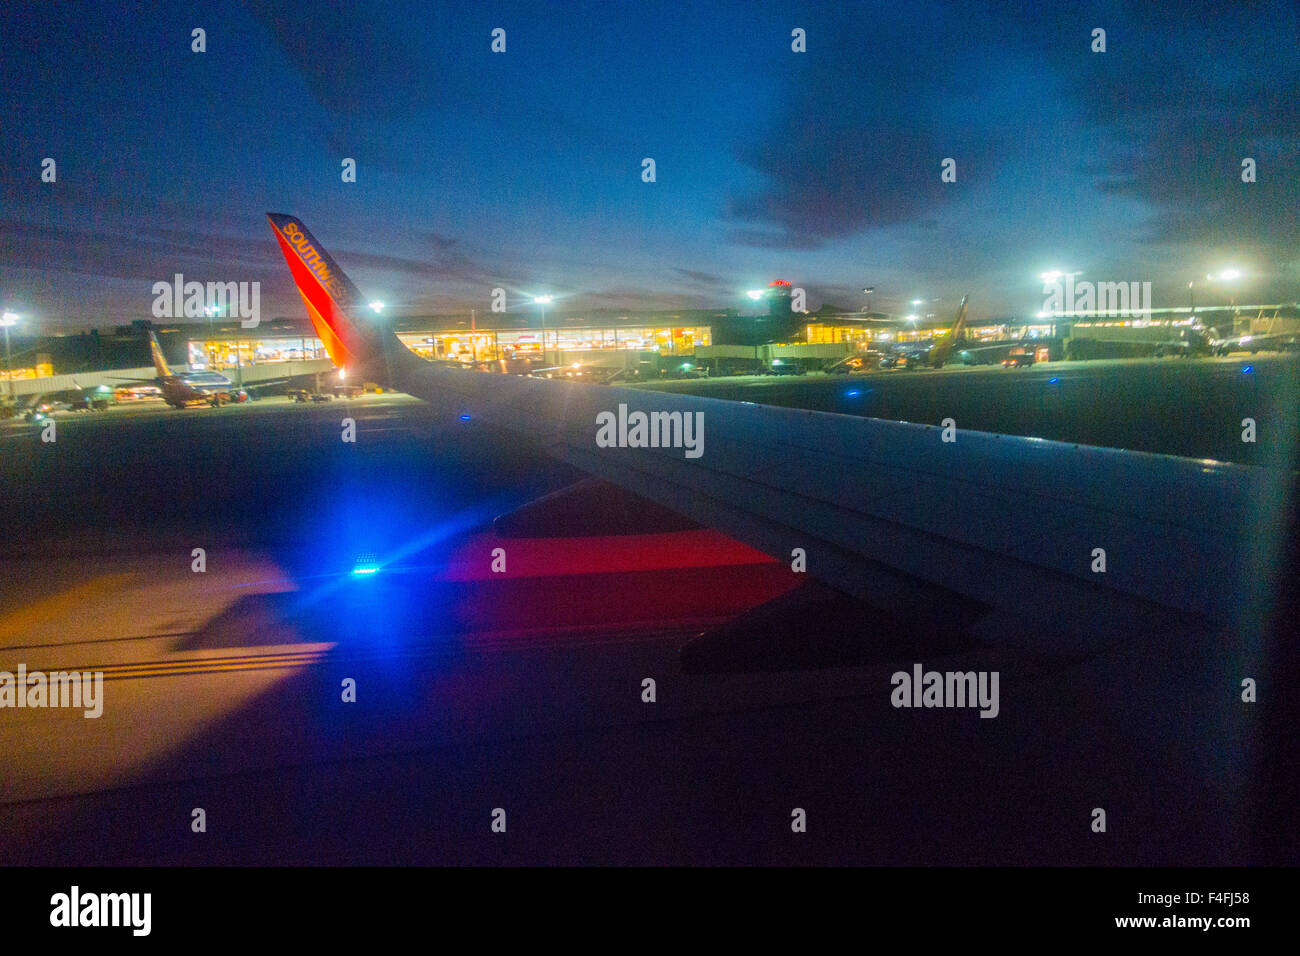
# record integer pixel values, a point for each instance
(778, 282)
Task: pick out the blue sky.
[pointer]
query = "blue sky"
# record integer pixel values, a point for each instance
(523, 169)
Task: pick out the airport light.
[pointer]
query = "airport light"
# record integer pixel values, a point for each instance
(8, 319)
(918, 306)
(1229, 275)
(543, 301)
(377, 306)
(210, 311)
(755, 294)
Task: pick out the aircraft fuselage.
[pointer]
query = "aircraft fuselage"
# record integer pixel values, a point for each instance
(193, 388)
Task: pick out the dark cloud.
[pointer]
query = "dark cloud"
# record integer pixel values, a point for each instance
(859, 135)
(1177, 113)
(1164, 116)
(703, 278)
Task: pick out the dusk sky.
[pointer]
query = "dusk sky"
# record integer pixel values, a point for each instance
(523, 169)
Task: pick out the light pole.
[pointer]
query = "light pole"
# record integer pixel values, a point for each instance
(10, 318)
(1225, 276)
(210, 311)
(239, 355)
(1230, 276)
(1052, 277)
(918, 308)
(543, 301)
(867, 292)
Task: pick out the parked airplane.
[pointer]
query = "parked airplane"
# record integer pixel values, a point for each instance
(182, 389)
(998, 535)
(935, 352)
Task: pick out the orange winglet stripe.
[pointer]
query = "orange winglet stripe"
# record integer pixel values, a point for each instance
(330, 321)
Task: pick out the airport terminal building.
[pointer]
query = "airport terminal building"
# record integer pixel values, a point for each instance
(723, 340)
(715, 338)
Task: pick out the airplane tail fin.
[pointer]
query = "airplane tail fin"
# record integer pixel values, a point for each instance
(959, 325)
(355, 339)
(159, 361)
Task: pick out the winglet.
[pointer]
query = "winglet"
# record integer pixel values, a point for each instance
(327, 292)
(355, 339)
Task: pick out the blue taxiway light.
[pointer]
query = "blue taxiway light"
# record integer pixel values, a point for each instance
(853, 394)
(1052, 381)
(1247, 370)
(464, 418)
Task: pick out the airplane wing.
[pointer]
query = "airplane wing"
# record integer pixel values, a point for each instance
(987, 530)
(995, 534)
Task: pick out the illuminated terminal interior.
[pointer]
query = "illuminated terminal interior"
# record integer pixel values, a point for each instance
(470, 346)
(224, 353)
(574, 340)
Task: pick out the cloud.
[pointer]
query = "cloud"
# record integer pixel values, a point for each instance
(1175, 118)
(858, 137)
